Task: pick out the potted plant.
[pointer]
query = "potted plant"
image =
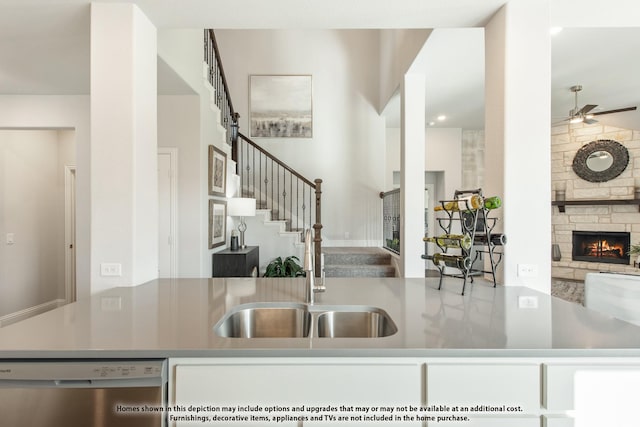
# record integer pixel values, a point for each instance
(635, 250)
(287, 267)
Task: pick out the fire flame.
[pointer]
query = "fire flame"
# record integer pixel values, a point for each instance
(603, 248)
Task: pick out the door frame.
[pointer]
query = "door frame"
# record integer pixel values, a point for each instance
(172, 152)
(70, 233)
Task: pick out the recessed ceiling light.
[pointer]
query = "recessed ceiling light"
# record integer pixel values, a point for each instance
(441, 117)
(432, 123)
(555, 30)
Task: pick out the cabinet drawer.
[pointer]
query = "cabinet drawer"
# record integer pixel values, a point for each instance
(491, 385)
(292, 385)
(571, 387)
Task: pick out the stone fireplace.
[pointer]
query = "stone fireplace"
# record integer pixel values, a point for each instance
(601, 246)
(598, 219)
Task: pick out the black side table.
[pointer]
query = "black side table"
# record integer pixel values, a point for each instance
(240, 263)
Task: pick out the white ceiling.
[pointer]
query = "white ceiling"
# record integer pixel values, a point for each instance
(44, 45)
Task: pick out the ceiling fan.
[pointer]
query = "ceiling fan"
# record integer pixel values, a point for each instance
(584, 114)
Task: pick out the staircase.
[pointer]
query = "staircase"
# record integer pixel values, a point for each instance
(284, 198)
(357, 262)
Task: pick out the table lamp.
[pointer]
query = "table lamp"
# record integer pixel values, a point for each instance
(241, 207)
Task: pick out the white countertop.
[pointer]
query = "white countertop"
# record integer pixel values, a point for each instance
(175, 318)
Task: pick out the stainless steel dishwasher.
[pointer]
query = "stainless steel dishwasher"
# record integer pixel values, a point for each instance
(48, 393)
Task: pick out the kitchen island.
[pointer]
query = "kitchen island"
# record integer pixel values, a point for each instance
(503, 347)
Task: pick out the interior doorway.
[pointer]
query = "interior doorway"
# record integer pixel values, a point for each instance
(167, 212)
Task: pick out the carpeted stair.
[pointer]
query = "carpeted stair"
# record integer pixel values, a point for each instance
(357, 262)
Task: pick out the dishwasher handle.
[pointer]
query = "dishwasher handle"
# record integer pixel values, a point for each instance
(82, 383)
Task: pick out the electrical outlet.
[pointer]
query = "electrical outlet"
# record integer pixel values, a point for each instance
(110, 269)
(527, 270)
(527, 302)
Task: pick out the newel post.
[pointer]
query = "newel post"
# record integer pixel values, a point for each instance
(317, 228)
(235, 117)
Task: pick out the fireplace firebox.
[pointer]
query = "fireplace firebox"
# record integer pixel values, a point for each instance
(601, 246)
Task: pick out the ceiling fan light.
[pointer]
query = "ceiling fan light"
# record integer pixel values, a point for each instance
(575, 120)
(589, 116)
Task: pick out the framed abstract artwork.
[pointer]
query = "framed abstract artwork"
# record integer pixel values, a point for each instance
(217, 172)
(280, 106)
(217, 223)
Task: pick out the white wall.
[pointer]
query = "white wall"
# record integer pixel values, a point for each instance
(124, 184)
(398, 50)
(179, 126)
(182, 51)
(61, 112)
(443, 150)
(347, 148)
(518, 66)
(32, 209)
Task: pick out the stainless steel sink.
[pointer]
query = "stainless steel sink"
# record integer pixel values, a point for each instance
(355, 322)
(266, 320)
(294, 320)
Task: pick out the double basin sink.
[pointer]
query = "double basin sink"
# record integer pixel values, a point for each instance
(295, 320)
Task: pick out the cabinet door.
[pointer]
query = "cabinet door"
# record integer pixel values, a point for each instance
(494, 422)
(513, 388)
(598, 394)
(557, 421)
(337, 388)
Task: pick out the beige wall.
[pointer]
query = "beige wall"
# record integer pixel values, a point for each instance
(32, 210)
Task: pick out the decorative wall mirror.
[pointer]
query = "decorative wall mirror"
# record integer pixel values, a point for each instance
(601, 160)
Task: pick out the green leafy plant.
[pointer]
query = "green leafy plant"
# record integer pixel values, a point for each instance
(287, 267)
(634, 249)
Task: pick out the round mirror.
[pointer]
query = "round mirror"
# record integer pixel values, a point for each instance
(601, 160)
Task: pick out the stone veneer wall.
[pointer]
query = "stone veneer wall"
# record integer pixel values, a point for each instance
(566, 140)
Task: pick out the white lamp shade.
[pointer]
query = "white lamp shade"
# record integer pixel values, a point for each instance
(241, 206)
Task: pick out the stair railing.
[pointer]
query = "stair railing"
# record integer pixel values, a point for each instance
(275, 185)
(391, 220)
(217, 79)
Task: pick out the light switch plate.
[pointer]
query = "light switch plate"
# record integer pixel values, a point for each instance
(110, 269)
(527, 270)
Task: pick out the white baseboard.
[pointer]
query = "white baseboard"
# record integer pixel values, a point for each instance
(30, 312)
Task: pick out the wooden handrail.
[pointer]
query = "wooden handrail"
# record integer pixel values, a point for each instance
(216, 52)
(278, 161)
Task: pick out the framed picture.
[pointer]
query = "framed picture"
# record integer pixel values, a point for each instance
(217, 223)
(217, 172)
(280, 106)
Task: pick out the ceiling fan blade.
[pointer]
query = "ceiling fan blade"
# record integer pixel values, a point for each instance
(618, 110)
(589, 121)
(586, 109)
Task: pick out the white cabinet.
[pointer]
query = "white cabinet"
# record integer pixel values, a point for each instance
(296, 383)
(597, 393)
(530, 421)
(557, 421)
(511, 389)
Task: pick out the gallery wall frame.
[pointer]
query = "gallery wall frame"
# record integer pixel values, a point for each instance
(281, 106)
(217, 223)
(217, 172)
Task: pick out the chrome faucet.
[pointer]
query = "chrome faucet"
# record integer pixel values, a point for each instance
(310, 284)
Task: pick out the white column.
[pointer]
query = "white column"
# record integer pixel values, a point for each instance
(518, 134)
(412, 137)
(124, 205)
